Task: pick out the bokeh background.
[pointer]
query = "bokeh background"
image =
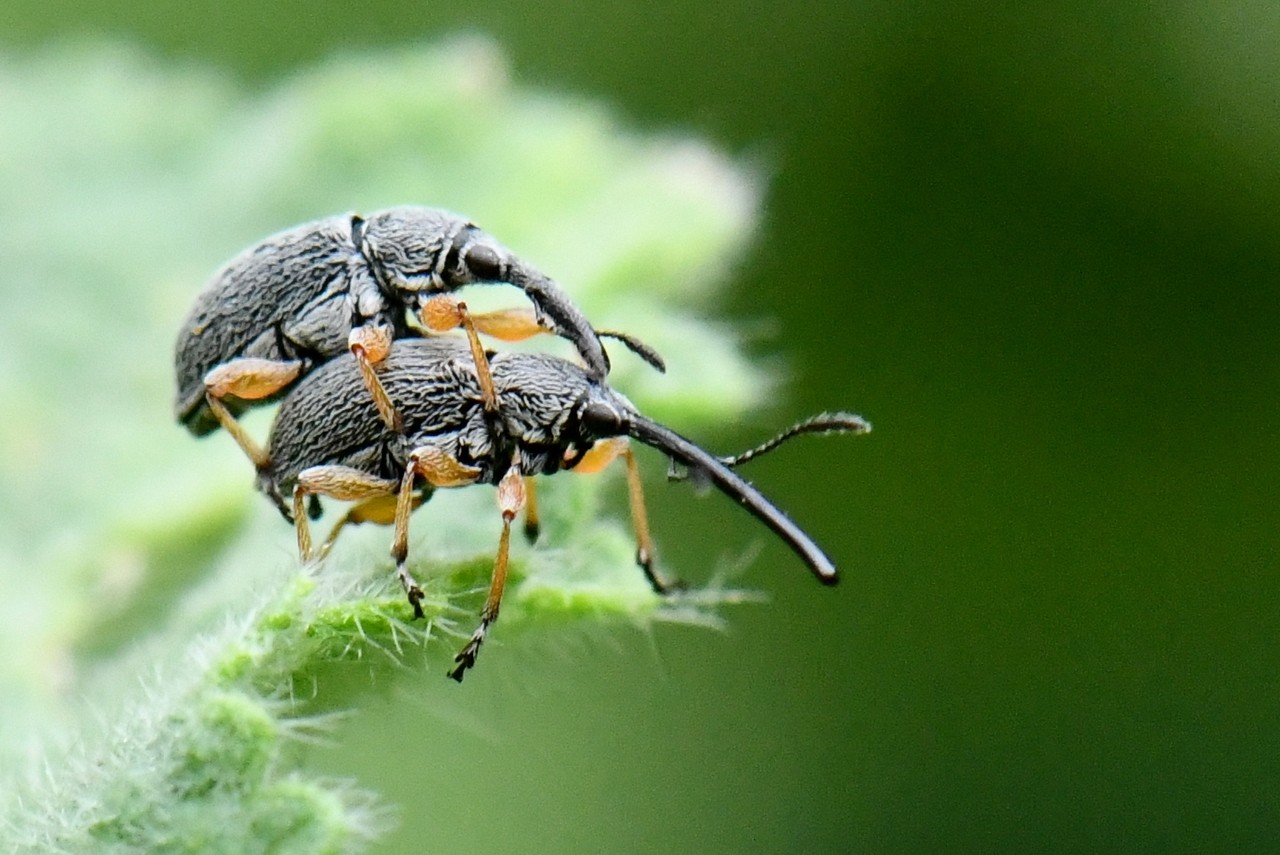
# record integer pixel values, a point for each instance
(1036, 247)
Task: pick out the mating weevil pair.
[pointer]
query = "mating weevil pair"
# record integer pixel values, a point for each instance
(347, 284)
(401, 415)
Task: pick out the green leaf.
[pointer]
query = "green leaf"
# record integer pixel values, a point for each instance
(155, 620)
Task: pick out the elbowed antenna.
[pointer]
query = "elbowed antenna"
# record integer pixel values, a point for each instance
(677, 447)
(639, 348)
(822, 423)
(567, 322)
(819, 424)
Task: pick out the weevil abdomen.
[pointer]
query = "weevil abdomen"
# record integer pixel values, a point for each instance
(289, 297)
(325, 422)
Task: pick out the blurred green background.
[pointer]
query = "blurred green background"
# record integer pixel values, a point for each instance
(1036, 247)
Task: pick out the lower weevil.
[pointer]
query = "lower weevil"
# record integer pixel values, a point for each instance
(550, 415)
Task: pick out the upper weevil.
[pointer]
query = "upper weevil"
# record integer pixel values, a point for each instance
(307, 294)
(549, 415)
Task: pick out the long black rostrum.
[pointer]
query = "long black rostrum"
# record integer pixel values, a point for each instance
(686, 452)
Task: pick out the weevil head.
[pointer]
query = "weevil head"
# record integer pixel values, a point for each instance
(417, 253)
(599, 413)
(554, 410)
(603, 416)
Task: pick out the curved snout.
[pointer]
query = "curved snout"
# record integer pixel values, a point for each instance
(562, 316)
(686, 452)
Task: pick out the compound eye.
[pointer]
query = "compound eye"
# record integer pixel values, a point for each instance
(601, 420)
(484, 263)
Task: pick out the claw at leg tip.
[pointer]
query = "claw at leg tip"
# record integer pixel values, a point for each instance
(415, 599)
(464, 662)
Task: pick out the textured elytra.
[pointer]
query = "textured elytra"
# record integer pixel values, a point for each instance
(283, 299)
(433, 386)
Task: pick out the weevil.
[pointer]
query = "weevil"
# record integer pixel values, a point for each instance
(552, 416)
(347, 283)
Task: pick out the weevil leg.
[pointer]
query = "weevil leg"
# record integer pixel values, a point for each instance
(511, 497)
(261, 460)
(370, 346)
(443, 313)
(640, 522)
(600, 455)
(400, 541)
(379, 510)
(251, 379)
(338, 482)
(520, 324)
(532, 521)
(509, 324)
(597, 458)
(440, 470)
